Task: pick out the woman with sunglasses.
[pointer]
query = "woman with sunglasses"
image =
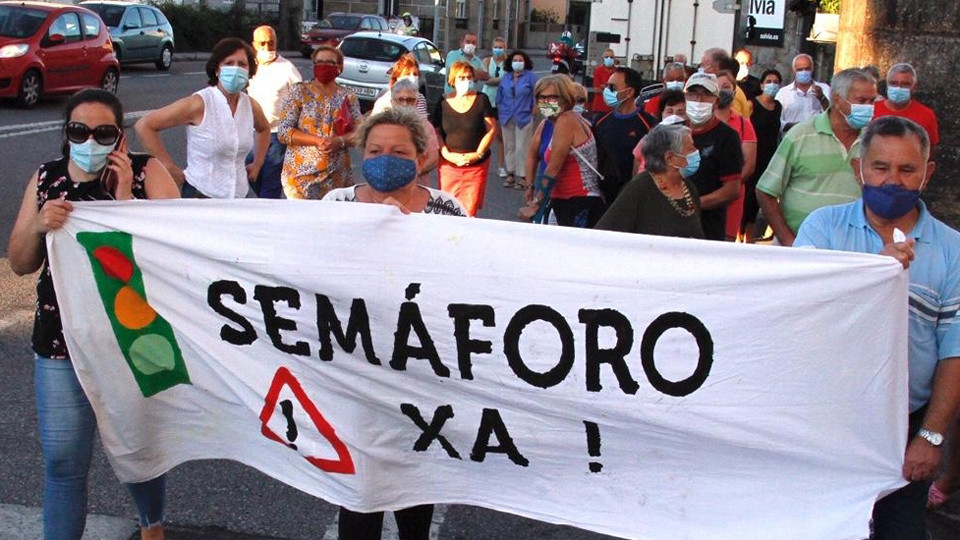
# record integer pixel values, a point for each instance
(95, 166)
(570, 179)
(223, 125)
(318, 118)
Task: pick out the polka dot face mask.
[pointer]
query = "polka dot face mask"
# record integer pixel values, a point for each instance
(388, 173)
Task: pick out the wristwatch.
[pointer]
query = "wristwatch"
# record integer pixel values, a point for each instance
(932, 437)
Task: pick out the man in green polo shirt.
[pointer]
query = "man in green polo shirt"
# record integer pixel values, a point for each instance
(811, 167)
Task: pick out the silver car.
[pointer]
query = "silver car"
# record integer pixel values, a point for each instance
(368, 57)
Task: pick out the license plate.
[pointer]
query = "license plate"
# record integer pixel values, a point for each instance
(361, 90)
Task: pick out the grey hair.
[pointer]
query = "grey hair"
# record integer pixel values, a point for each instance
(894, 126)
(404, 84)
(799, 56)
(902, 67)
(673, 66)
(716, 53)
(395, 117)
(843, 81)
(660, 140)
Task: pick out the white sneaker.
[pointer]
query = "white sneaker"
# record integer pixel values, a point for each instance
(502, 173)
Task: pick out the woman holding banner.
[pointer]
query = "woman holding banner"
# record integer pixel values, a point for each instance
(394, 146)
(95, 166)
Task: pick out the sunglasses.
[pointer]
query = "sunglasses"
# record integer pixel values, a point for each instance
(405, 101)
(106, 134)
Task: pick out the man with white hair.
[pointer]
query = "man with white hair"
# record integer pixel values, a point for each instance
(275, 75)
(804, 98)
(901, 84)
(811, 167)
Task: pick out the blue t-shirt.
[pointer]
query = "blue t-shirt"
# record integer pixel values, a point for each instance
(934, 330)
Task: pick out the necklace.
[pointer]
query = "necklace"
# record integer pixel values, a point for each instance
(688, 208)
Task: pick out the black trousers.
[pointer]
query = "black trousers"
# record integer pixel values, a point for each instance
(413, 523)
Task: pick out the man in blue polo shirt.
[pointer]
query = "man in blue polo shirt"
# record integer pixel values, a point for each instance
(890, 219)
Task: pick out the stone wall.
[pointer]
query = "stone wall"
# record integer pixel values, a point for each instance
(926, 34)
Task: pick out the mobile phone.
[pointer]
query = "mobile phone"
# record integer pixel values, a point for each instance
(108, 178)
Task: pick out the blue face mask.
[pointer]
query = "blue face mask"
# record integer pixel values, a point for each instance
(860, 115)
(610, 98)
(89, 155)
(674, 85)
(233, 79)
(898, 95)
(804, 77)
(518, 66)
(890, 201)
(693, 164)
(607, 61)
(771, 89)
(388, 173)
(498, 51)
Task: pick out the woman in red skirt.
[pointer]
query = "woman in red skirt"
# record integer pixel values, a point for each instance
(466, 126)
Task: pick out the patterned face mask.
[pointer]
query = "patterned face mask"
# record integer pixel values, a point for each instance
(388, 173)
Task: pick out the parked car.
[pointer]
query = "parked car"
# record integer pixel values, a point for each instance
(369, 56)
(53, 49)
(337, 26)
(140, 33)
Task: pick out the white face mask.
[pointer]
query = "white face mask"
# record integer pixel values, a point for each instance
(265, 57)
(469, 49)
(462, 86)
(699, 112)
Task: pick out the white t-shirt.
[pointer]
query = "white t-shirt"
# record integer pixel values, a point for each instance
(270, 84)
(798, 105)
(440, 202)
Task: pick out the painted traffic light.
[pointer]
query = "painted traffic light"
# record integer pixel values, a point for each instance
(145, 338)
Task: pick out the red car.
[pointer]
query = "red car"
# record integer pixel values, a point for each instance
(53, 49)
(337, 26)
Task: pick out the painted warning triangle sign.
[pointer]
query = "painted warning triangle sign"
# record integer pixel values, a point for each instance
(279, 412)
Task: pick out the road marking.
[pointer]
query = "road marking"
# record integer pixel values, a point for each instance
(390, 531)
(53, 125)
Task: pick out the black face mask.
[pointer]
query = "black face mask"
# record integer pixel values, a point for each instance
(725, 98)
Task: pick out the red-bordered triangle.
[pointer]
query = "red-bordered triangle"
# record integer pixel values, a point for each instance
(283, 377)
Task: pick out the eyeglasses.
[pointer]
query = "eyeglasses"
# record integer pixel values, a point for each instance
(106, 134)
(548, 97)
(405, 101)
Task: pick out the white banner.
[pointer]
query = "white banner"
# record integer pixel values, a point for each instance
(765, 22)
(638, 386)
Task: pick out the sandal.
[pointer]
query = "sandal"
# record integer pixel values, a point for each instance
(521, 184)
(935, 497)
(509, 182)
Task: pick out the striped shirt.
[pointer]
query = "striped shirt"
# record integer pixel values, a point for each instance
(934, 329)
(811, 168)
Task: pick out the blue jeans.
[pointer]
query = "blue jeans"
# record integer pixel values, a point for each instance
(268, 184)
(67, 426)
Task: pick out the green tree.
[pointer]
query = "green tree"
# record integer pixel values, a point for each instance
(829, 6)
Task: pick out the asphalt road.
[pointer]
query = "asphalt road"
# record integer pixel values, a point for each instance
(208, 499)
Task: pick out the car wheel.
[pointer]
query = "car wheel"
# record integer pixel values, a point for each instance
(110, 81)
(166, 58)
(31, 86)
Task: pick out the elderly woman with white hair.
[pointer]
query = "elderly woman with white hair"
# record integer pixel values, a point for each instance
(661, 200)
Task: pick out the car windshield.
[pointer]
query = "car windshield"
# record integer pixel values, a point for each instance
(344, 23)
(111, 15)
(372, 49)
(18, 22)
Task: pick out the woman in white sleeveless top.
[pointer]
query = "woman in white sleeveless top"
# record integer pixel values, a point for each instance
(223, 125)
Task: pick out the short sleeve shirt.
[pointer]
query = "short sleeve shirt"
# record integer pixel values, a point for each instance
(440, 202)
(934, 296)
(721, 160)
(915, 111)
(811, 168)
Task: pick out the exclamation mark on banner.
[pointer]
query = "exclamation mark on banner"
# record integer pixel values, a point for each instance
(593, 445)
(286, 407)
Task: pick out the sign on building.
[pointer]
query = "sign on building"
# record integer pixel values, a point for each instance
(765, 22)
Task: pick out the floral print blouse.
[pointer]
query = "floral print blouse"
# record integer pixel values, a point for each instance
(309, 173)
